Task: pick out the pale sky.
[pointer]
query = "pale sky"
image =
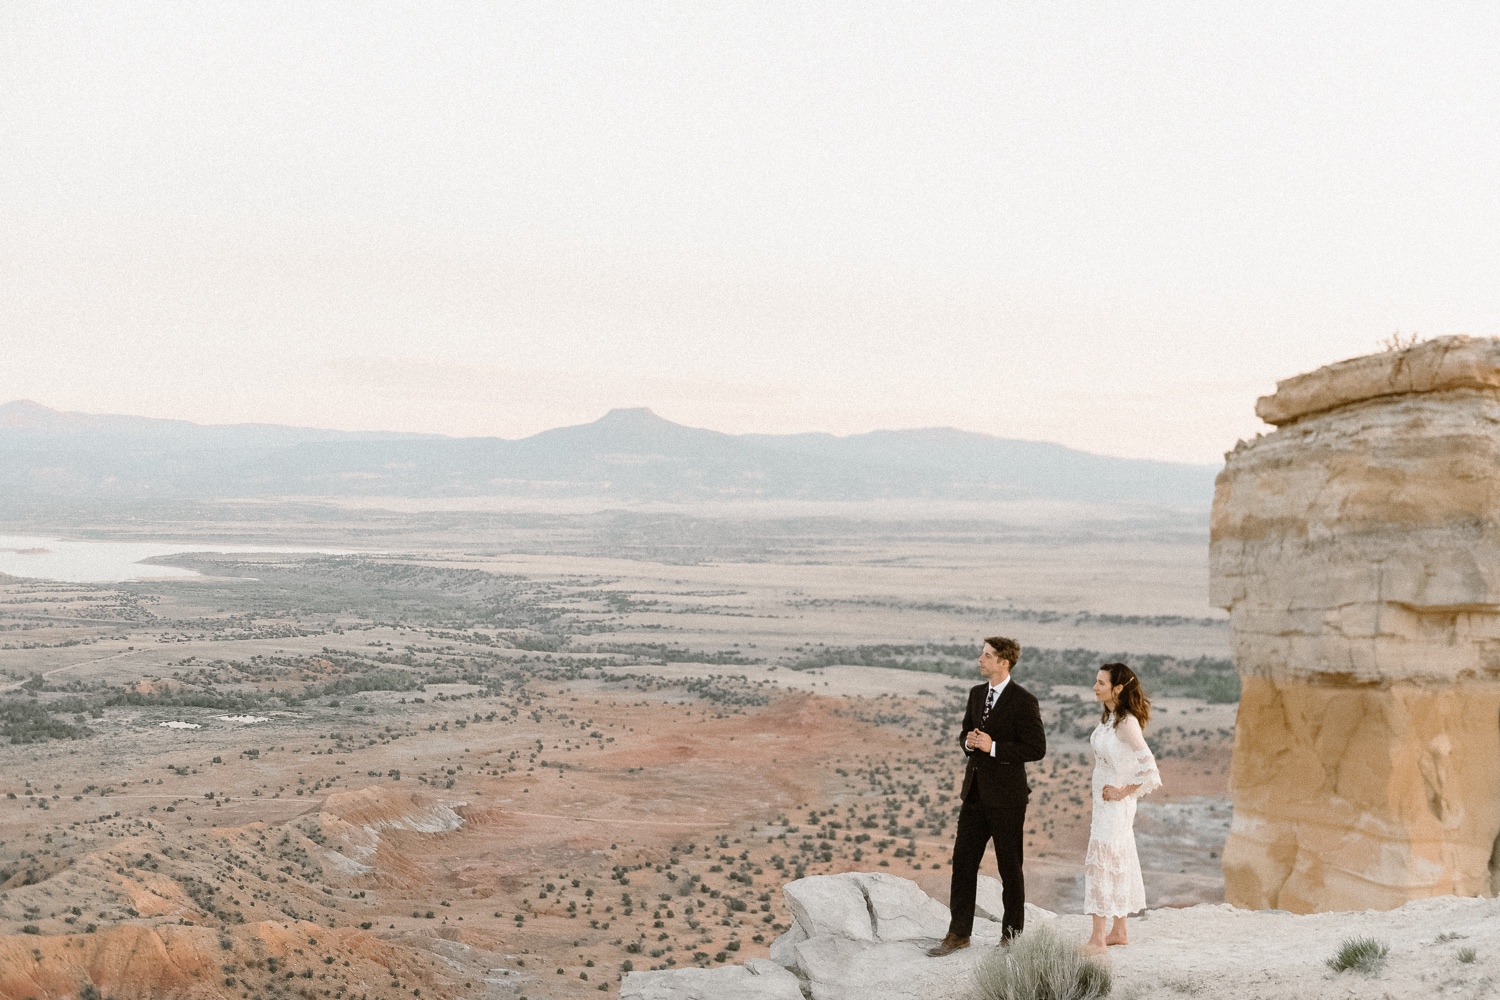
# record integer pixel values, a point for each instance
(1110, 226)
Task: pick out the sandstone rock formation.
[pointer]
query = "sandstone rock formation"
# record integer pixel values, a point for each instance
(1357, 549)
(133, 961)
(854, 935)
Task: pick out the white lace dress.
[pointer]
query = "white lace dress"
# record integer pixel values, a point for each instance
(1112, 885)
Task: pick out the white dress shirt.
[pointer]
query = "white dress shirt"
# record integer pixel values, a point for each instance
(995, 690)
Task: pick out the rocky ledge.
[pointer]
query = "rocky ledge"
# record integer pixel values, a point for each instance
(864, 935)
(854, 936)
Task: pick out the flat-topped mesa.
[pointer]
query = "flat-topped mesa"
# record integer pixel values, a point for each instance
(1357, 549)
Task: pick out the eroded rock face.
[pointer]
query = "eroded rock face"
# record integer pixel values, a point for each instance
(167, 960)
(1357, 549)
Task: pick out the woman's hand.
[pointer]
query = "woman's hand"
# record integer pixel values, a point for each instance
(1114, 793)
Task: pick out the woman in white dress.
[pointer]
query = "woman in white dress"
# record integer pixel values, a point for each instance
(1124, 770)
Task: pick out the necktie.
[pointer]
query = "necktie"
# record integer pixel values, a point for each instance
(989, 703)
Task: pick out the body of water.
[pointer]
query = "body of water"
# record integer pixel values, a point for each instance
(79, 561)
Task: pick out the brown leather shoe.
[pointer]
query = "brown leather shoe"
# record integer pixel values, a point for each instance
(948, 946)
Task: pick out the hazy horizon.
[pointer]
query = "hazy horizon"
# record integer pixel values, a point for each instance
(582, 423)
(1111, 229)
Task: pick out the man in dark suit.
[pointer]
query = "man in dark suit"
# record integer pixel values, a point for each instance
(1002, 730)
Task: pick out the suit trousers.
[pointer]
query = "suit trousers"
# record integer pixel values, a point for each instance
(978, 823)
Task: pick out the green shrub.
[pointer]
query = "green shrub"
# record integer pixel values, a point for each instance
(1041, 965)
(370, 680)
(1467, 955)
(1210, 678)
(30, 722)
(1362, 954)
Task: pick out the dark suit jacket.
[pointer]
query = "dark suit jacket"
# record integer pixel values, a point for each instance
(1015, 724)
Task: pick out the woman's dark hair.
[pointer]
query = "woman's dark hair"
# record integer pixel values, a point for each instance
(1006, 649)
(1132, 699)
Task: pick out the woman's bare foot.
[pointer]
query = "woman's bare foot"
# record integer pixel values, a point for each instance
(1092, 947)
(1116, 938)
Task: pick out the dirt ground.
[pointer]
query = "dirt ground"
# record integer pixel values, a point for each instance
(316, 776)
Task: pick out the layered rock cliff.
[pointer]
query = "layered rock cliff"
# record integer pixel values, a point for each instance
(1357, 549)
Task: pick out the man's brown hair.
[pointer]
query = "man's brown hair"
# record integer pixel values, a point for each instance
(1006, 649)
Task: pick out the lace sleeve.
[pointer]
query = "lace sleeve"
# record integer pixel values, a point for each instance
(1142, 765)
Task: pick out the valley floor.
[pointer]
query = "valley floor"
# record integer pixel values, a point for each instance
(470, 772)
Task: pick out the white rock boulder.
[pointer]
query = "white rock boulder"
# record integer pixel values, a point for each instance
(830, 906)
(864, 906)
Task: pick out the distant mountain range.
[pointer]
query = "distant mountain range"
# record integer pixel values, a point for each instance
(629, 454)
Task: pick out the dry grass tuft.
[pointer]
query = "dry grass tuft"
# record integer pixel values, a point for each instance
(1041, 965)
(1361, 954)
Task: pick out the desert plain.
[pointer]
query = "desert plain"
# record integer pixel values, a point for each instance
(516, 750)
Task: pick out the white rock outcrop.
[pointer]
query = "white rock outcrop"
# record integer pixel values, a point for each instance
(1357, 549)
(1443, 946)
(757, 979)
(854, 935)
